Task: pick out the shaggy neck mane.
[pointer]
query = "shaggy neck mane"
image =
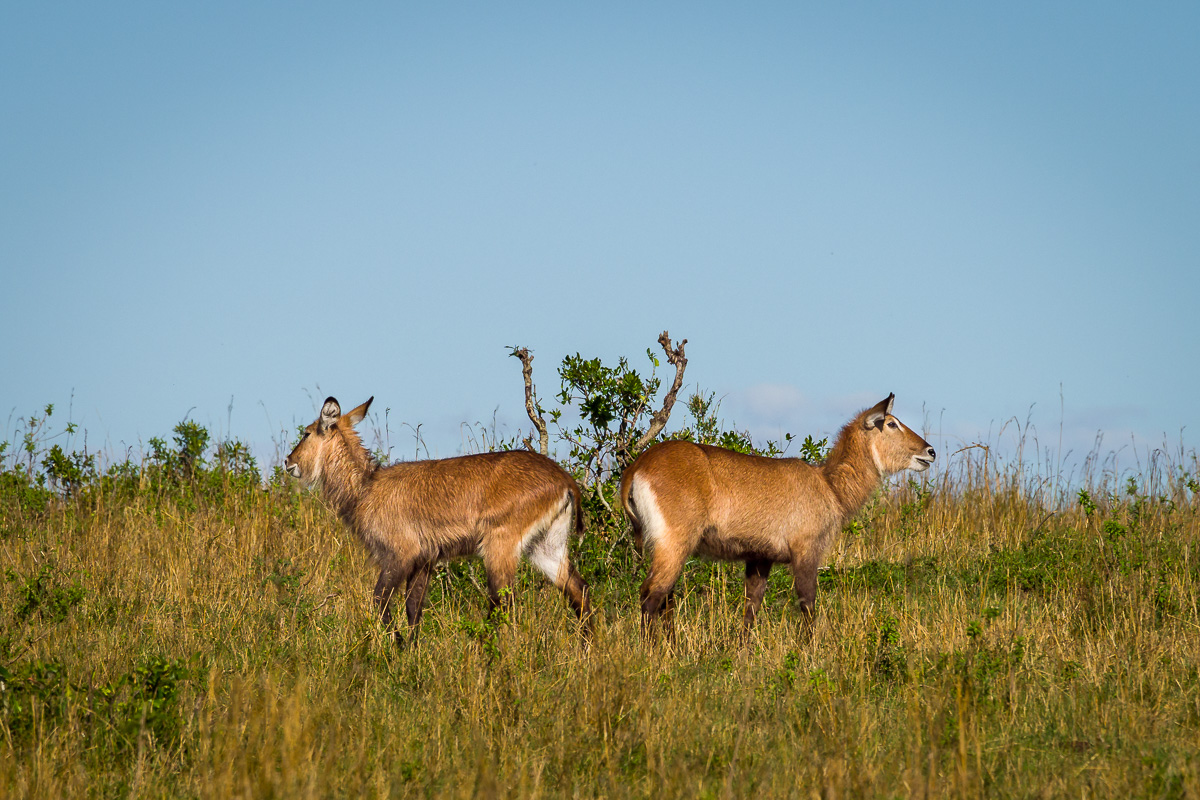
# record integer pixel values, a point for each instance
(850, 468)
(347, 469)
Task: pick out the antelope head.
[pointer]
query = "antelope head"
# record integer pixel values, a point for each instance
(323, 438)
(893, 445)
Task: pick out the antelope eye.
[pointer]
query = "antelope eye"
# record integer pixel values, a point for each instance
(893, 424)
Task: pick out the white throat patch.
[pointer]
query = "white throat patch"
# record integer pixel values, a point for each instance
(875, 458)
(317, 464)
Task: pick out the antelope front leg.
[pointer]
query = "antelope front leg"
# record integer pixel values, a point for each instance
(804, 580)
(756, 586)
(390, 578)
(414, 597)
(500, 564)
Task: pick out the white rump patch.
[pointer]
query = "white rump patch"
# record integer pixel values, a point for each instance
(545, 544)
(648, 512)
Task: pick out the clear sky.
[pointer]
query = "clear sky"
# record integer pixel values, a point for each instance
(984, 208)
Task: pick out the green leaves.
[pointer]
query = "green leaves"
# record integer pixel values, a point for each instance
(812, 451)
(707, 428)
(191, 438)
(189, 467)
(1087, 503)
(613, 405)
(605, 394)
(45, 594)
(69, 471)
(142, 704)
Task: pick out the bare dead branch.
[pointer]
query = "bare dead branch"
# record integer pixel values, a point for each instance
(658, 420)
(531, 403)
(598, 487)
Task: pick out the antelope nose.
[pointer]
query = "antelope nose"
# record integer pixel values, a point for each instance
(932, 453)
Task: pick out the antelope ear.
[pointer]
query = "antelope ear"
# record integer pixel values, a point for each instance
(330, 413)
(356, 415)
(876, 415)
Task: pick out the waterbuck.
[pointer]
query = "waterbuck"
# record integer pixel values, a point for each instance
(686, 498)
(500, 506)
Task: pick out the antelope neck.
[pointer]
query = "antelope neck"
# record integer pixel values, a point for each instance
(345, 475)
(852, 478)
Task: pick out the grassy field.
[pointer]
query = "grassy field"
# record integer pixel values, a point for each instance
(207, 637)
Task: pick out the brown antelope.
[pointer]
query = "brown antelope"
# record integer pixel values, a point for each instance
(500, 506)
(686, 498)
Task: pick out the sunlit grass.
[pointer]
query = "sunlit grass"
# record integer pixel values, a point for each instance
(971, 638)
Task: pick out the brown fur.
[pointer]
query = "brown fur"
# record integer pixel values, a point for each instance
(685, 498)
(412, 515)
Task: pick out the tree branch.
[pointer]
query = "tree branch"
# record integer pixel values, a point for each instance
(530, 402)
(599, 489)
(658, 420)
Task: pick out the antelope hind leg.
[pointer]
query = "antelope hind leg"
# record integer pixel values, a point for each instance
(658, 589)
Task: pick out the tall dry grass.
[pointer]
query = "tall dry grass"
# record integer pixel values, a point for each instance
(973, 637)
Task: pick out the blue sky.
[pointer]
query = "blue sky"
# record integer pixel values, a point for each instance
(984, 208)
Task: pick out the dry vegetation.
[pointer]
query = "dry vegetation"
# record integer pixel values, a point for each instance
(205, 637)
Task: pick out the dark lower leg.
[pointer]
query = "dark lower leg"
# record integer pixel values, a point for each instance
(390, 579)
(414, 601)
(667, 619)
(499, 590)
(578, 595)
(653, 601)
(661, 576)
(756, 586)
(804, 579)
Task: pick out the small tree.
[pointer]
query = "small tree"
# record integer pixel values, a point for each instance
(616, 421)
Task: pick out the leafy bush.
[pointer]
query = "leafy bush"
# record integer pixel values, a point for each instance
(142, 703)
(69, 471)
(45, 594)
